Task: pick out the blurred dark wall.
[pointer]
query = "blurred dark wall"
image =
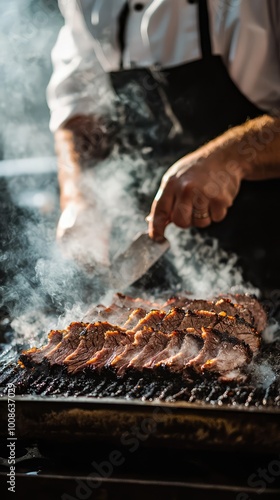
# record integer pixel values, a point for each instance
(28, 31)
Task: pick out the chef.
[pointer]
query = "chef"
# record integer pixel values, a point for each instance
(207, 74)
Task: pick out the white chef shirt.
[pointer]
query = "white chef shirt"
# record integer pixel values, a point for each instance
(165, 33)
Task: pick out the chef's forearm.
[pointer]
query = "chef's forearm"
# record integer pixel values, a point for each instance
(260, 145)
(69, 167)
(255, 145)
(79, 144)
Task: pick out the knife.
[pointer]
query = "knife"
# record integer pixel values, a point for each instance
(127, 268)
(133, 263)
(137, 259)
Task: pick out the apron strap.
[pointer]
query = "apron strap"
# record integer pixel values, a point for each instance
(204, 32)
(121, 30)
(205, 40)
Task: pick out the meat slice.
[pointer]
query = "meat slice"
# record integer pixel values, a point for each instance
(177, 301)
(141, 338)
(221, 353)
(200, 304)
(172, 348)
(232, 325)
(190, 347)
(68, 344)
(114, 314)
(172, 320)
(94, 313)
(36, 355)
(233, 309)
(91, 341)
(198, 319)
(239, 328)
(133, 303)
(156, 343)
(152, 320)
(221, 305)
(114, 344)
(135, 316)
(254, 306)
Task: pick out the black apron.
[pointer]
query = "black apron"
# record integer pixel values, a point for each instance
(199, 101)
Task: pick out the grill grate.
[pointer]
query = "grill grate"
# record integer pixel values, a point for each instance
(145, 386)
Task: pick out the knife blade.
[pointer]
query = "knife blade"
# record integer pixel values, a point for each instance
(137, 259)
(127, 268)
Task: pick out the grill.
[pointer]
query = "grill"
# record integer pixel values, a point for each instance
(134, 386)
(202, 413)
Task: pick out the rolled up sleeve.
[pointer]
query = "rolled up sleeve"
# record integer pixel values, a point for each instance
(78, 84)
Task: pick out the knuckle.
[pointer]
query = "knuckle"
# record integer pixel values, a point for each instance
(168, 179)
(224, 201)
(186, 187)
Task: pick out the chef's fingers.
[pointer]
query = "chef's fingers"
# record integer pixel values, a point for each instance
(182, 212)
(201, 219)
(161, 211)
(201, 216)
(218, 211)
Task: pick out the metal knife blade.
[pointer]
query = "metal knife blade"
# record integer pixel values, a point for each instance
(127, 268)
(138, 258)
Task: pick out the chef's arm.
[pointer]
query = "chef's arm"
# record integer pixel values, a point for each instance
(255, 145)
(80, 143)
(200, 187)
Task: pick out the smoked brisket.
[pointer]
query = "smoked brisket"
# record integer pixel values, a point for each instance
(219, 336)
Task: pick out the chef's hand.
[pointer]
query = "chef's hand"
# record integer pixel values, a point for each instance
(197, 190)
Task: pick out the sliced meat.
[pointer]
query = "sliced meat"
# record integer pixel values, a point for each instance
(254, 306)
(239, 328)
(93, 313)
(172, 348)
(189, 349)
(36, 355)
(133, 303)
(91, 341)
(194, 335)
(156, 343)
(231, 308)
(172, 320)
(152, 320)
(200, 305)
(67, 345)
(232, 325)
(141, 338)
(114, 344)
(114, 314)
(198, 319)
(220, 353)
(135, 316)
(221, 305)
(177, 301)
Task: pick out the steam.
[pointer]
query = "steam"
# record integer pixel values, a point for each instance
(44, 290)
(272, 331)
(28, 31)
(263, 374)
